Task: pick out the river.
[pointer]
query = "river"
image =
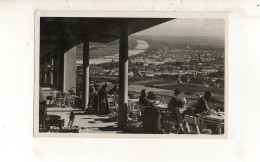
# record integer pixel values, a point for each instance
(141, 46)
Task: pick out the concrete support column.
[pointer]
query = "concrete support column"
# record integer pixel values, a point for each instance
(69, 65)
(123, 77)
(85, 74)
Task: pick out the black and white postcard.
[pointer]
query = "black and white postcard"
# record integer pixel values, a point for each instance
(131, 74)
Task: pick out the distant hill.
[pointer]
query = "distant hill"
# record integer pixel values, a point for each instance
(179, 42)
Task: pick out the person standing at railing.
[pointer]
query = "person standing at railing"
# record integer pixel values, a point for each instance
(93, 101)
(176, 102)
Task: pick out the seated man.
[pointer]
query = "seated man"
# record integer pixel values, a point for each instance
(202, 103)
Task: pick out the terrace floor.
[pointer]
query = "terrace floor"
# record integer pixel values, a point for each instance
(91, 123)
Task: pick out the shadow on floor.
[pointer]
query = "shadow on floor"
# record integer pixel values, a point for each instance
(109, 128)
(106, 120)
(81, 113)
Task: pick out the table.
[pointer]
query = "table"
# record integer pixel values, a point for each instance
(133, 100)
(165, 106)
(52, 117)
(213, 119)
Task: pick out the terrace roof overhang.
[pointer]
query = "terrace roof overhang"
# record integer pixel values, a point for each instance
(59, 34)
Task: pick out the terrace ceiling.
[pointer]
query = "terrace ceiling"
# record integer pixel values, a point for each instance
(59, 34)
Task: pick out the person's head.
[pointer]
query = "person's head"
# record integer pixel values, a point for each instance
(143, 92)
(177, 92)
(207, 95)
(105, 86)
(150, 93)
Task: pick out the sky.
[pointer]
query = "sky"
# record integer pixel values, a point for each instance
(188, 27)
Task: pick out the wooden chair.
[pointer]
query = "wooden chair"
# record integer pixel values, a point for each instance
(69, 99)
(55, 100)
(61, 98)
(176, 117)
(190, 120)
(134, 111)
(112, 107)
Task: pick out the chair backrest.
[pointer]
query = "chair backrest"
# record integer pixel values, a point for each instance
(133, 105)
(57, 94)
(62, 95)
(210, 120)
(141, 107)
(191, 120)
(111, 102)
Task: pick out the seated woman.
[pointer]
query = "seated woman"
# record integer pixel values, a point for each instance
(151, 96)
(202, 103)
(143, 100)
(151, 115)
